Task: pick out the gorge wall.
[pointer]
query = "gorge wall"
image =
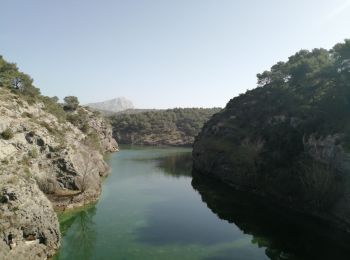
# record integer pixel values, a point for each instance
(288, 140)
(49, 161)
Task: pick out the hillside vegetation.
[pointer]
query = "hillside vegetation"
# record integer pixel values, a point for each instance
(288, 139)
(176, 126)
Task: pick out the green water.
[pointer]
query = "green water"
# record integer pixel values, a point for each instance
(151, 208)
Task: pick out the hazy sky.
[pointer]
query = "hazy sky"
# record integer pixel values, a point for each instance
(162, 53)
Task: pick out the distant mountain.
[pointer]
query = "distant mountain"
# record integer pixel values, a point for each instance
(113, 105)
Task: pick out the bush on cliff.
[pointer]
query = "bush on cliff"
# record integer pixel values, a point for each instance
(7, 134)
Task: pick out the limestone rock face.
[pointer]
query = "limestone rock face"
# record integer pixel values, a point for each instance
(44, 164)
(28, 222)
(104, 131)
(260, 145)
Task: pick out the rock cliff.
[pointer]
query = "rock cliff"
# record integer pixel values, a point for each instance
(46, 163)
(288, 139)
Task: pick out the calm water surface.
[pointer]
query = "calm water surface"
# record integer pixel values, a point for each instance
(151, 208)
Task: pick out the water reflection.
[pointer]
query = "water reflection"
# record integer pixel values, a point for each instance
(284, 235)
(173, 164)
(176, 165)
(79, 229)
(184, 223)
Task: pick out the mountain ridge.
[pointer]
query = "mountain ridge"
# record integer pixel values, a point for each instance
(115, 105)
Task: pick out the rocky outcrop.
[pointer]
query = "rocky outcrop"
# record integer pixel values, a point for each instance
(42, 158)
(288, 140)
(104, 131)
(28, 223)
(278, 161)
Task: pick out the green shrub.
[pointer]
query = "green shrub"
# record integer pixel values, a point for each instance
(25, 160)
(73, 119)
(26, 114)
(33, 153)
(80, 120)
(27, 173)
(5, 162)
(53, 107)
(7, 134)
(71, 103)
(85, 127)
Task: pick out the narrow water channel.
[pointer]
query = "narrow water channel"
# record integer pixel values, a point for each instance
(151, 208)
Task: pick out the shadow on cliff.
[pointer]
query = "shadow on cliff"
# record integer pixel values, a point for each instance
(283, 235)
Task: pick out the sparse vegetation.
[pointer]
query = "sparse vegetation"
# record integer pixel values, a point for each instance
(52, 106)
(33, 153)
(87, 172)
(79, 118)
(52, 130)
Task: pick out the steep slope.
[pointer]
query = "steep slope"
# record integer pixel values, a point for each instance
(114, 105)
(288, 140)
(47, 160)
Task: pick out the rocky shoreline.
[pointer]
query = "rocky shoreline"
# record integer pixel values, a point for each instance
(67, 202)
(46, 164)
